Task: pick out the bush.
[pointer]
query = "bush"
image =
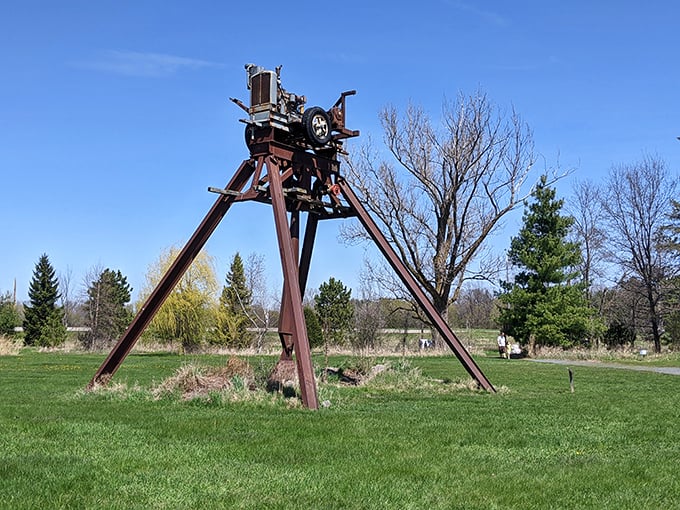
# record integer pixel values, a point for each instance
(9, 316)
(618, 335)
(314, 332)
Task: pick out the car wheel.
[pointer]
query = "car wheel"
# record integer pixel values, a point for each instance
(317, 125)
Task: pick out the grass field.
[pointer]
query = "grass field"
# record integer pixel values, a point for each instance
(613, 443)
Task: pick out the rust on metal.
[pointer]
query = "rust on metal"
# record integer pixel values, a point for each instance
(294, 168)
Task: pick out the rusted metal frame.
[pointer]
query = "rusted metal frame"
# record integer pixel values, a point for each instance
(338, 116)
(304, 159)
(426, 305)
(252, 193)
(307, 249)
(285, 329)
(291, 284)
(171, 277)
(304, 264)
(304, 166)
(294, 205)
(286, 320)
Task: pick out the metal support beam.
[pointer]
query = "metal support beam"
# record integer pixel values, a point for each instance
(291, 284)
(407, 279)
(286, 323)
(173, 275)
(307, 248)
(285, 320)
(285, 164)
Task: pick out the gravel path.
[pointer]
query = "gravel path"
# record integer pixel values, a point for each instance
(583, 363)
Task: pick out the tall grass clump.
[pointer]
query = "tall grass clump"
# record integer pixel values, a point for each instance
(9, 346)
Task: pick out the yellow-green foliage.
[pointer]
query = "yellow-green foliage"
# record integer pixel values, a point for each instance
(188, 314)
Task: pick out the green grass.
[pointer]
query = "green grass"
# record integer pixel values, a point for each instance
(614, 443)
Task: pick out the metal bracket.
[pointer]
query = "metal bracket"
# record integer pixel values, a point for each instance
(221, 191)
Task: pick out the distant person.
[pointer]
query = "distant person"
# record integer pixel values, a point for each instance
(502, 344)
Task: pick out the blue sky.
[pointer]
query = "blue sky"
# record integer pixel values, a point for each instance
(114, 115)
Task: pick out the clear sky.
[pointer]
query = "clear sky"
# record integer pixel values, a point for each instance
(114, 115)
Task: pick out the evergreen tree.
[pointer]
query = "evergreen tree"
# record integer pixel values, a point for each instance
(335, 310)
(235, 306)
(43, 323)
(235, 294)
(314, 333)
(543, 306)
(9, 316)
(107, 315)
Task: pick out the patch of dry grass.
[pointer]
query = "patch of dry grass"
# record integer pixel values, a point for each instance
(9, 346)
(397, 376)
(194, 381)
(601, 353)
(67, 346)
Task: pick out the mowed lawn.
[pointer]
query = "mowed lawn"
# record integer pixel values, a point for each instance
(613, 443)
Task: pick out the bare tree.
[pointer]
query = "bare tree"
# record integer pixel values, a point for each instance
(449, 190)
(106, 295)
(68, 301)
(368, 317)
(263, 300)
(92, 310)
(588, 231)
(476, 308)
(637, 202)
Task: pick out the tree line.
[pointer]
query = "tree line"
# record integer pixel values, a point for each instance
(199, 314)
(603, 269)
(195, 314)
(599, 269)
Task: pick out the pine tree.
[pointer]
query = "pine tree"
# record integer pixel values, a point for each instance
(107, 315)
(43, 323)
(335, 309)
(314, 332)
(544, 305)
(235, 294)
(233, 313)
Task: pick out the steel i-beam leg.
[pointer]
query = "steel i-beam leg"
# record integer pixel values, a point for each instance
(291, 283)
(172, 276)
(303, 273)
(447, 334)
(307, 248)
(286, 323)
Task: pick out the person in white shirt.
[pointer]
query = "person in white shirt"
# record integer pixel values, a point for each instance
(502, 345)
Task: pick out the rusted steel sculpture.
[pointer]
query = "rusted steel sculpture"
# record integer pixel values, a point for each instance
(293, 167)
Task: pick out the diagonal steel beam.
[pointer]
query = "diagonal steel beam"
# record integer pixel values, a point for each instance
(423, 301)
(291, 283)
(307, 248)
(286, 322)
(172, 276)
(285, 318)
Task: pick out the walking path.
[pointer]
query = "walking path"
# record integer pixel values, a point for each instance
(583, 363)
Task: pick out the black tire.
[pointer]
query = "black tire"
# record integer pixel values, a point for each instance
(317, 125)
(249, 135)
